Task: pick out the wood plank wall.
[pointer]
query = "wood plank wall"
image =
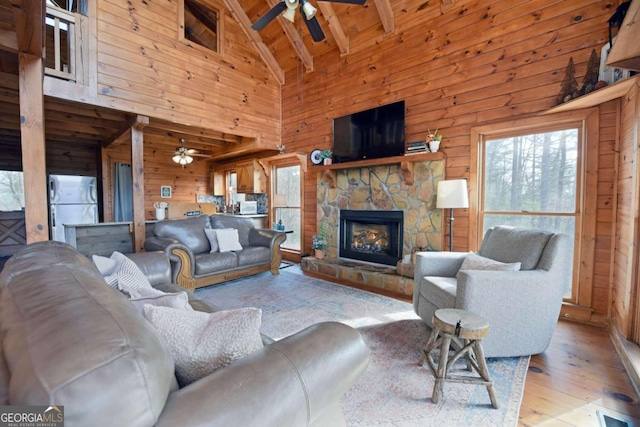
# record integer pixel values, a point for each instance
(186, 183)
(480, 62)
(144, 67)
(625, 274)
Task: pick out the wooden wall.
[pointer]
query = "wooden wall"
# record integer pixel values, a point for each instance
(159, 170)
(145, 67)
(480, 62)
(625, 277)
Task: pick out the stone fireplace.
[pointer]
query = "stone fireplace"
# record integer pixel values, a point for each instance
(372, 236)
(382, 188)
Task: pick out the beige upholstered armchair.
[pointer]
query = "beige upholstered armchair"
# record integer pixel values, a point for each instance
(522, 307)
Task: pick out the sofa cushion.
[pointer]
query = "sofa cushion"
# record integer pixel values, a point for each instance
(508, 244)
(253, 255)
(215, 262)
(203, 342)
(228, 240)
(80, 335)
(243, 225)
(188, 231)
(440, 291)
(478, 262)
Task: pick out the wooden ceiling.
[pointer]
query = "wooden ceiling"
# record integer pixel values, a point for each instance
(284, 45)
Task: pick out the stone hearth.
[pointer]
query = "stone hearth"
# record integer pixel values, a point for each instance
(362, 275)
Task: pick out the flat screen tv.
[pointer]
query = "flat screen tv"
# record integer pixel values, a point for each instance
(370, 134)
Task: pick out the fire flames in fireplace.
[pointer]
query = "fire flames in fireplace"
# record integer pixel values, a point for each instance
(370, 238)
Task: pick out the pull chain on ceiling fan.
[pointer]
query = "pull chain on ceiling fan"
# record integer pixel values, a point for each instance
(308, 12)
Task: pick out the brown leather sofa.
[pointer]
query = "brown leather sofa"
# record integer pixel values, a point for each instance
(186, 244)
(70, 339)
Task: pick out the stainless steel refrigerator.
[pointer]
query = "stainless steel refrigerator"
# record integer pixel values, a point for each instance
(72, 200)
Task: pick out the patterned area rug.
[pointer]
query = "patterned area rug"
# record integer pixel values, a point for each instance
(395, 390)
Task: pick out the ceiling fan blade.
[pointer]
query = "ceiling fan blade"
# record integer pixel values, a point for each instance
(314, 27)
(269, 16)
(360, 2)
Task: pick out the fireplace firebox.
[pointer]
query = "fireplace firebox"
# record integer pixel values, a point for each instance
(372, 236)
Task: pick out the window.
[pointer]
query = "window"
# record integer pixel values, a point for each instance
(11, 191)
(201, 24)
(535, 173)
(531, 181)
(286, 202)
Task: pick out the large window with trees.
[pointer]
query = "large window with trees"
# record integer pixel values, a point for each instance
(531, 180)
(537, 172)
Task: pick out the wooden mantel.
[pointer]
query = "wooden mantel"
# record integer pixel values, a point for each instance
(406, 165)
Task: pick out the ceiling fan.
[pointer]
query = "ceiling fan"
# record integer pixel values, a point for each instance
(184, 155)
(307, 11)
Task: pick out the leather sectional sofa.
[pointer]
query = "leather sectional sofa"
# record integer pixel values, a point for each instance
(187, 246)
(70, 339)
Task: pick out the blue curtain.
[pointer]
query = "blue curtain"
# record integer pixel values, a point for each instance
(123, 197)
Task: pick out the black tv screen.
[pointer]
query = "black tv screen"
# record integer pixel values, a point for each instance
(370, 134)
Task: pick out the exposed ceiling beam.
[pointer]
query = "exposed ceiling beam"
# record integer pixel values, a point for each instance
(342, 41)
(386, 15)
(191, 132)
(266, 55)
(294, 38)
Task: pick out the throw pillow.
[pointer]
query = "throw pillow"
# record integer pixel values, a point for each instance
(178, 300)
(228, 240)
(202, 342)
(106, 267)
(476, 262)
(129, 278)
(213, 240)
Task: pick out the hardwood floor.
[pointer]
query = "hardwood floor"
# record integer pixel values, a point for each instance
(579, 374)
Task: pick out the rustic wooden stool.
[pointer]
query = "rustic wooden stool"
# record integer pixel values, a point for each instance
(451, 326)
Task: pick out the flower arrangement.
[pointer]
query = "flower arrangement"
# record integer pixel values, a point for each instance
(319, 241)
(433, 136)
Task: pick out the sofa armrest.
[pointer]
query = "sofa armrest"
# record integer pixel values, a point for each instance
(443, 264)
(155, 265)
(265, 237)
(294, 381)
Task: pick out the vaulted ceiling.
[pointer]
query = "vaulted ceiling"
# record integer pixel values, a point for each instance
(284, 45)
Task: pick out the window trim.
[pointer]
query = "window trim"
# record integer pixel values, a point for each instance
(588, 120)
(211, 4)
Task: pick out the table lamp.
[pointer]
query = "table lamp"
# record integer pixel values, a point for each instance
(452, 194)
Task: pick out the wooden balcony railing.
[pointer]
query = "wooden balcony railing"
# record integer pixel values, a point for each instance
(62, 44)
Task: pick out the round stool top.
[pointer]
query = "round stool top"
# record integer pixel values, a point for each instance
(471, 326)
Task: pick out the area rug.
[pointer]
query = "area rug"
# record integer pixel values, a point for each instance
(395, 391)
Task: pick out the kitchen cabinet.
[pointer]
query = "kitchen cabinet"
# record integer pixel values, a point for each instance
(218, 186)
(251, 178)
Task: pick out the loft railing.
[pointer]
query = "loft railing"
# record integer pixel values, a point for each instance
(62, 44)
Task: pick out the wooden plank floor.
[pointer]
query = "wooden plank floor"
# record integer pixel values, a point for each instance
(579, 374)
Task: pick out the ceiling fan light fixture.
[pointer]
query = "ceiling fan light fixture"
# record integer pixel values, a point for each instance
(308, 9)
(289, 14)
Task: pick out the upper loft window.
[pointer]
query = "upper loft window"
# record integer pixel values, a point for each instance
(202, 25)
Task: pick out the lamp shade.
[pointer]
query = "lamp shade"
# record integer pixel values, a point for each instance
(452, 194)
